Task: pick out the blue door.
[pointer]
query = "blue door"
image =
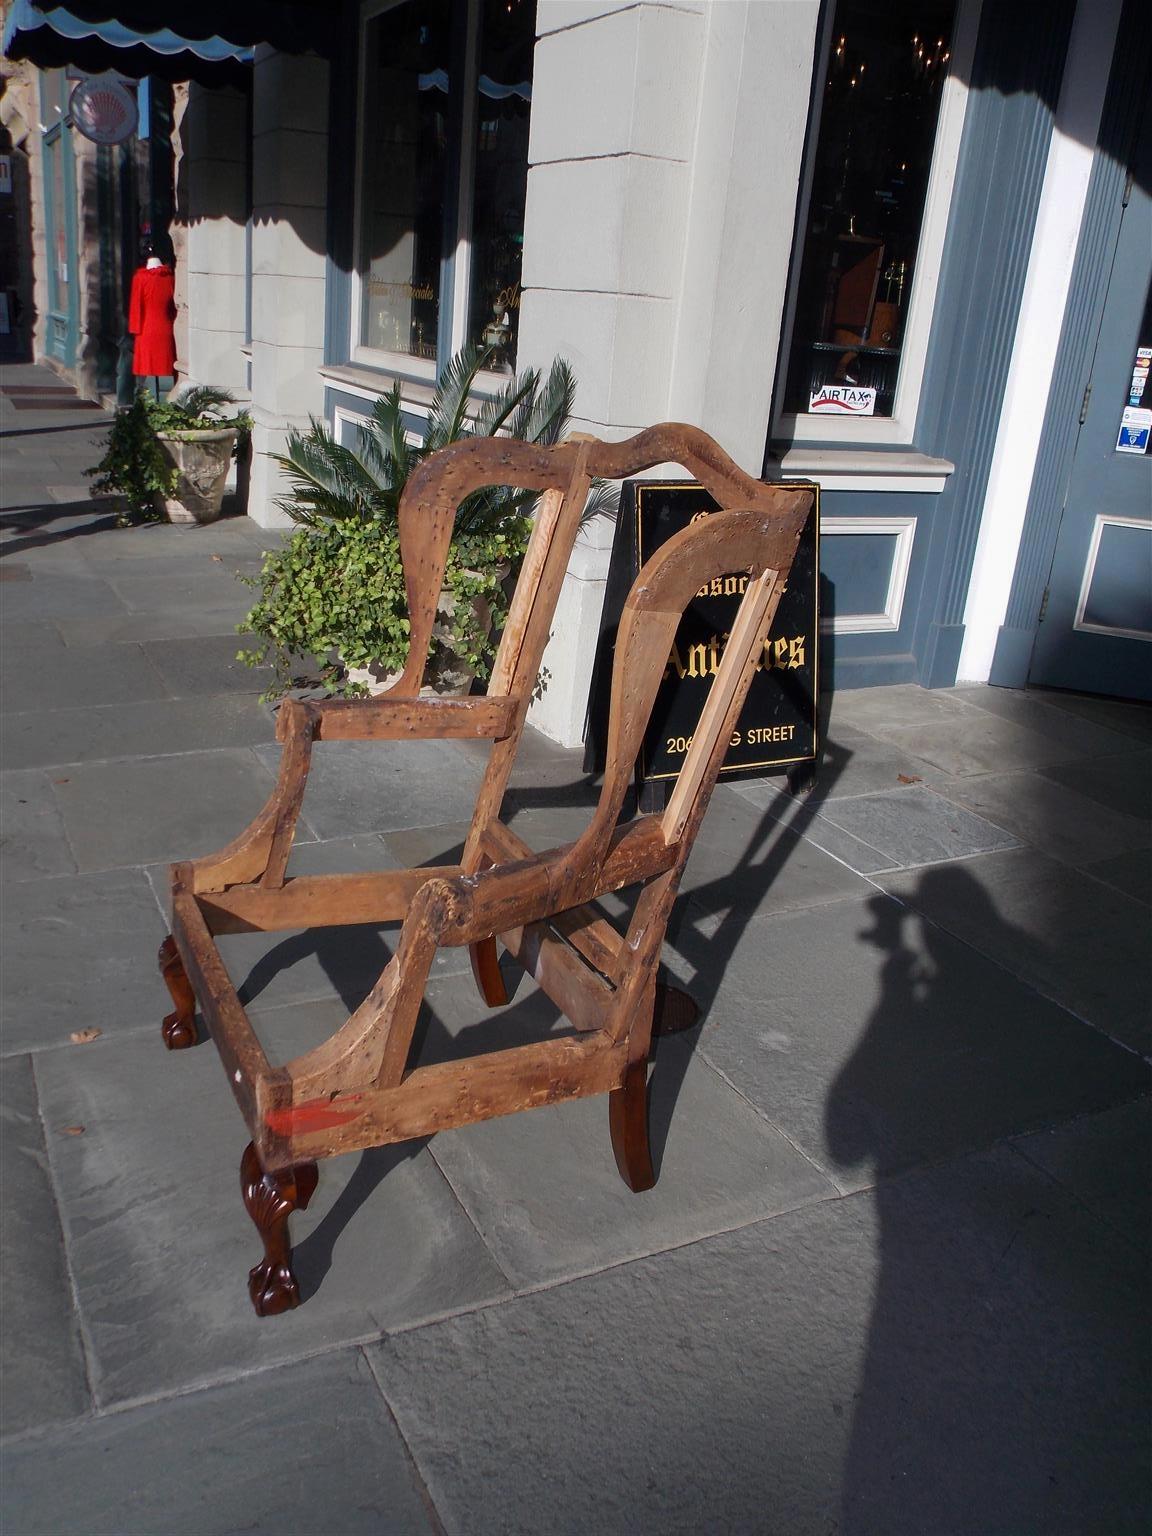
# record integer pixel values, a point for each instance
(1096, 633)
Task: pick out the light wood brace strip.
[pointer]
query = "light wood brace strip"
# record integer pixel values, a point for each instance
(449, 1094)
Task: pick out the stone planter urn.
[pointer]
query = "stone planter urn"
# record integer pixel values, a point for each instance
(201, 458)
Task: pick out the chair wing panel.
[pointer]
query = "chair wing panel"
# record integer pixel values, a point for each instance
(427, 517)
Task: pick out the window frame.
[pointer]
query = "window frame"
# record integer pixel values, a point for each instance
(797, 429)
(456, 260)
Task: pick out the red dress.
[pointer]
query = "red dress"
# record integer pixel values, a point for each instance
(151, 317)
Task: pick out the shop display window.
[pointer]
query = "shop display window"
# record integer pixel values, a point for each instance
(446, 95)
(878, 117)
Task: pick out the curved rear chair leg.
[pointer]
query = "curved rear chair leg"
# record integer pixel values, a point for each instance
(270, 1198)
(486, 970)
(179, 1028)
(628, 1122)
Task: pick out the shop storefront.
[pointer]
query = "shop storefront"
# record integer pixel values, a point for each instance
(898, 248)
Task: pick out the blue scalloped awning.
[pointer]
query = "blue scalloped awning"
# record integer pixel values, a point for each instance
(54, 37)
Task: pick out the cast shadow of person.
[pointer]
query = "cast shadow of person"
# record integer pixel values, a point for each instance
(959, 1423)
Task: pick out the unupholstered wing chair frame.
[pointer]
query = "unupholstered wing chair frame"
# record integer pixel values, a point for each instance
(357, 1089)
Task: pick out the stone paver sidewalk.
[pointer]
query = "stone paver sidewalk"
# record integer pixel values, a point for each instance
(892, 1279)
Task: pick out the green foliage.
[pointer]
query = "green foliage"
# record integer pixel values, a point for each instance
(331, 481)
(335, 591)
(135, 466)
(197, 408)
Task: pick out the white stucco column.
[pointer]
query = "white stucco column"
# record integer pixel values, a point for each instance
(289, 211)
(213, 170)
(665, 159)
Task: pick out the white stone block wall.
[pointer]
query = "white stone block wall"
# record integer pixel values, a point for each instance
(666, 149)
(213, 179)
(289, 212)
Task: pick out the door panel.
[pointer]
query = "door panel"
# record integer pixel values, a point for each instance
(1096, 633)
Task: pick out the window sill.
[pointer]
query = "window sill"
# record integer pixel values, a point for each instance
(371, 383)
(862, 469)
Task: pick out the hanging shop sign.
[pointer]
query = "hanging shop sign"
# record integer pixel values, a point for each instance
(778, 725)
(104, 110)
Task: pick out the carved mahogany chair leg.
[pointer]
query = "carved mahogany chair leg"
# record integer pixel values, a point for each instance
(628, 1122)
(270, 1198)
(179, 1028)
(486, 970)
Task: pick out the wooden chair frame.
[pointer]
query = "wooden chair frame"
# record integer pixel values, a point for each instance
(356, 1089)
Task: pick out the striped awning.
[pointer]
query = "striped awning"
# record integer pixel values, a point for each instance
(211, 41)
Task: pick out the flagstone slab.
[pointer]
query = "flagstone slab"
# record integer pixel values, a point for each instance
(968, 1339)
(79, 953)
(1038, 713)
(743, 859)
(127, 628)
(1059, 821)
(980, 742)
(181, 588)
(61, 678)
(23, 642)
(148, 810)
(32, 837)
(381, 786)
(877, 710)
(311, 1447)
(40, 1350)
(1104, 1160)
(205, 664)
(160, 1244)
(876, 1042)
(50, 596)
(1128, 872)
(1077, 941)
(1123, 783)
(542, 1187)
(1122, 715)
(914, 826)
(103, 732)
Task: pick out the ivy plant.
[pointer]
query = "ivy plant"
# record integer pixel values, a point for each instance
(336, 594)
(335, 590)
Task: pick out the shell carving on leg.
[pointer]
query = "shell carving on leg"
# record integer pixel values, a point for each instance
(270, 1198)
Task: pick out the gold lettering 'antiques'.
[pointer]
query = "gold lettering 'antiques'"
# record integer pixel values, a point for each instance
(778, 725)
(702, 660)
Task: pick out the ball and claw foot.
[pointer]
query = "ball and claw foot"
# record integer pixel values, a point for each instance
(270, 1198)
(178, 1029)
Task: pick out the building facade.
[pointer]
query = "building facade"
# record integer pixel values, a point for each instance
(899, 249)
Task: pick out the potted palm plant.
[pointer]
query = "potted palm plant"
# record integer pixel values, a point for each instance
(335, 591)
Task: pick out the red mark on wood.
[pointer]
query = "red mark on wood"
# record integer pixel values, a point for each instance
(312, 1115)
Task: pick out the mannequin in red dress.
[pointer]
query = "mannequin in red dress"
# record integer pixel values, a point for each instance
(151, 319)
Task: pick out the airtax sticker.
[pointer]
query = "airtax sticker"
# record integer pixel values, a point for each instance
(841, 400)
